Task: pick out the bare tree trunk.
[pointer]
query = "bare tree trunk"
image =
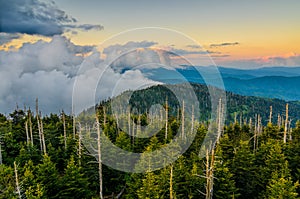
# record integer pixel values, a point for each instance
(37, 106)
(209, 174)
(17, 180)
(278, 121)
(290, 130)
(38, 123)
(270, 117)
(99, 157)
(65, 130)
(40, 133)
(138, 126)
(30, 127)
(27, 133)
(259, 130)
(166, 125)
(129, 123)
(193, 120)
(74, 125)
(182, 121)
(286, 122)
(171, 181)
(43, 138)
(79, 143)
(117, 121)
(235, 115)
(104, 115)
(219, 119)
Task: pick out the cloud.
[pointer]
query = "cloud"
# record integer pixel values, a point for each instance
(136, 55)
(6, 38)
(193, 46)
(224, 44)
(290, 59)
(84, 27)
(49, 70)
(37, 17)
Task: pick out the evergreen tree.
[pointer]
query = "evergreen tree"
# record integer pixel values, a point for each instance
(281, 187)
(74, 184)
(47, 175)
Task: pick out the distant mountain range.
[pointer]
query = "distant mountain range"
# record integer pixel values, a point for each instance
(271, 82)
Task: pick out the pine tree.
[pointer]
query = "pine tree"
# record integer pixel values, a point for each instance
(73, 183)
(281, 186)
(7, 182)
(224, 184)
(48, 177)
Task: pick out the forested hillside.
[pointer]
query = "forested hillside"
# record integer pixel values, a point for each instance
(44, 156)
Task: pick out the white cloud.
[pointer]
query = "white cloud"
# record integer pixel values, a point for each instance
(48, 70)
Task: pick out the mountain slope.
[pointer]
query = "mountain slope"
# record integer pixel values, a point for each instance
(275, 82)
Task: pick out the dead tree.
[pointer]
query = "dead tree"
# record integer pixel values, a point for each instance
(270, 116)
(182, 121)
(104, 115)
(250, 124)
(30, 127)
(209, 174)
(290, 130)
(17, 180)
(279, 120)
(219, 120)
(40, 133)
(166, 125)
(128, 122)
(43, 137)
(193, 120)
(27, 133)
(74, 125)
(286, 122)
(65, 130)
(235, 115)
(79, 143)
(171, 181)
(99, 156)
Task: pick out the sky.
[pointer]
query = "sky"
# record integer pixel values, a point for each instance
(48, 46)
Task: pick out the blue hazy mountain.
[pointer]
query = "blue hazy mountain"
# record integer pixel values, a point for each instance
(271, 82)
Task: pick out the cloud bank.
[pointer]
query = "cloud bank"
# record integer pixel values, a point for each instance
(37, 17)
(48, 70)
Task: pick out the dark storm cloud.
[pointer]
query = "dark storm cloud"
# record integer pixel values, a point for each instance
(37, 17)
(224, 44)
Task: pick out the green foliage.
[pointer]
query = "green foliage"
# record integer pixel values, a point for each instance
(74, 184)
(281, 187)
(270, 171)
(7, 182)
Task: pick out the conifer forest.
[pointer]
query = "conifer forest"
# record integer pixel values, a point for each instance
(256, 153)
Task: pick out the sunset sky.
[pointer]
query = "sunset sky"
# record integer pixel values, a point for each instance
(259, 31)
(47, 46)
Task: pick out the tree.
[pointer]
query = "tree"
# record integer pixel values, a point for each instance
(7, 182)
(243, 168)
(74, 184)
(48, 177)
(32, 189)
(149, 188)
(224, 184)
(281, 187)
